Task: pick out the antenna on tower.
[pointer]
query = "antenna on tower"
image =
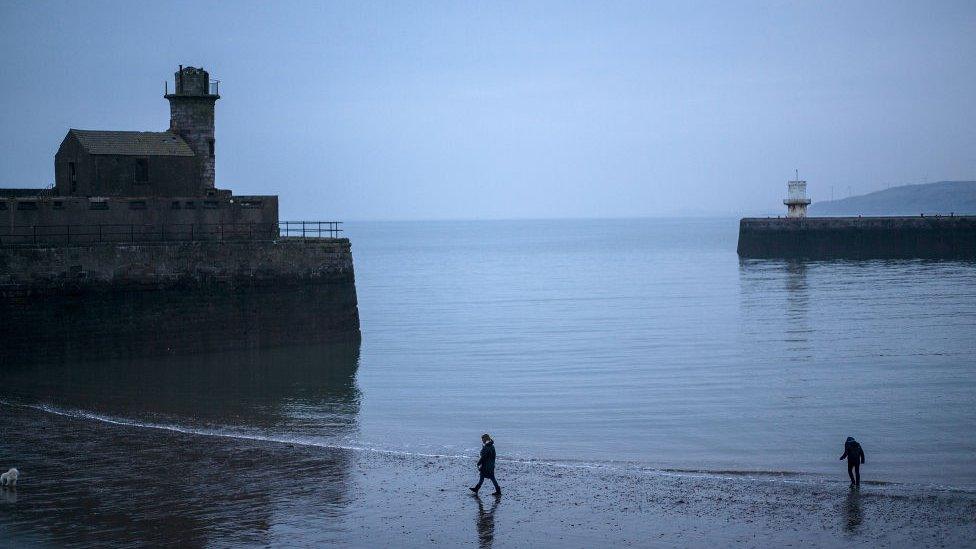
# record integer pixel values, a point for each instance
(797, 173)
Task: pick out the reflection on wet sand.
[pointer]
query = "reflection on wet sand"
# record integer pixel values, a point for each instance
(486, 522)
(106, 479)
(852, 510)
(8, 495)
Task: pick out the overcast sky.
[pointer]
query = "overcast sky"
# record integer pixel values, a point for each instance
(410, 110)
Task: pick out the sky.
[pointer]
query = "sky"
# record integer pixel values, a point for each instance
(488, 110)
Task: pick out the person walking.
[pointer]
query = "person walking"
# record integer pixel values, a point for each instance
(486, 465)
(855, 457)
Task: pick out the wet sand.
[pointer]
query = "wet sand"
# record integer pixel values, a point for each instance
(585, 507)
(89, 483)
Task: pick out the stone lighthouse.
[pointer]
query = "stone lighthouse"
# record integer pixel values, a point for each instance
(796, 200)
(191, 116)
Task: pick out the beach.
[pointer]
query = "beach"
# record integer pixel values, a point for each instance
(89, 482)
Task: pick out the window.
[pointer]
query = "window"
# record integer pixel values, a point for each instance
(27, 205)
(190, 205)
(137, 205)
(175, 205)
(3, 204)
(73, 177)
(142, 170)
(210, 144)
(99, 205)
(58, 205)
(210, 204)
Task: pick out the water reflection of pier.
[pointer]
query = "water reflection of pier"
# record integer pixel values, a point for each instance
(776, 298)
(182, 450)
(797, 310)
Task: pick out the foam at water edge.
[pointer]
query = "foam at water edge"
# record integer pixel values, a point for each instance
(792, 477)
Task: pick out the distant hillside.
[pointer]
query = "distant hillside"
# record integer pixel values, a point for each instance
(944, 197)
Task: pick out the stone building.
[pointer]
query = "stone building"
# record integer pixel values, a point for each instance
(151, 179)
(191, 116)
(110, 163)
(135, 252)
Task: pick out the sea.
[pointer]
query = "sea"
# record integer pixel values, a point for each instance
(611, 343)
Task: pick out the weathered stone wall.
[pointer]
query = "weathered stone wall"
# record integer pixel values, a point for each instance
(856, 237)
(72, 151)
(192, 117)
(51, 268)
(53, 212)
(116, 174)
(141, 300)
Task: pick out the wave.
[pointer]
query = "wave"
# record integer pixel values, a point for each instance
(742, 472)
(610, 465)
(221, 433)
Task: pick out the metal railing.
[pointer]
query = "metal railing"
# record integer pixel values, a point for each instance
(310, 229)
(170, 232)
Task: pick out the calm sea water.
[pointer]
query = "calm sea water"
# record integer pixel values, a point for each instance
(632, 343)
(649, 341)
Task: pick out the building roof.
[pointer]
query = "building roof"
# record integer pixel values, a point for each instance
(132, 143)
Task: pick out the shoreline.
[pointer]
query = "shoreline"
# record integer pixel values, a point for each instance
(243, 491)
(610, 466)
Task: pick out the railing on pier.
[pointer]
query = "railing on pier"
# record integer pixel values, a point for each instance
(28, 235)
(310, 229)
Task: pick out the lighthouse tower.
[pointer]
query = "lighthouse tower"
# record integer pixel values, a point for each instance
(797, 201)
(191, 116)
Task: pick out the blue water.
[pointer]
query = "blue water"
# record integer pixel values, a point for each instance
(635, 343)
(649, 341)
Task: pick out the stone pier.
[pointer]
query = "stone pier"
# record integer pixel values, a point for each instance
(140, 299)
(926, 237)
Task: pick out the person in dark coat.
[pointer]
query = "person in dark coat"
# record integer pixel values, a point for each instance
(486, 465)
(855, 457)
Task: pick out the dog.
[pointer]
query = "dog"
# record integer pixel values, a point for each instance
(10, 477)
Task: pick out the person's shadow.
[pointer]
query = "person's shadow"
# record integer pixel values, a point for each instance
(486, 522)
(853, 515)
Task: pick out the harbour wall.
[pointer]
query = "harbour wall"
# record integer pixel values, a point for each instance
(927, 237)
(124, 300)
(55, 219)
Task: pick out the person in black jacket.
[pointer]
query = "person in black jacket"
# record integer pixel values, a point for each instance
(486, 465)
(855, 457)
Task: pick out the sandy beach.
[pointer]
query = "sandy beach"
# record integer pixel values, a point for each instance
(88, 482)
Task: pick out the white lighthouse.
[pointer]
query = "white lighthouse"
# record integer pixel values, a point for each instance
(797, 201)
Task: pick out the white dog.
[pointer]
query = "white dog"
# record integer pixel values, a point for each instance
(10, 477)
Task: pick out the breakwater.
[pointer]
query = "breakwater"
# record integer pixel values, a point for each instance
(105, 299)
(929, 237)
